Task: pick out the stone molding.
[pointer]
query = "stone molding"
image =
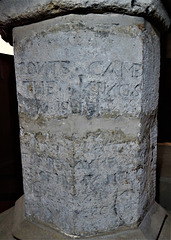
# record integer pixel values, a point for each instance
(18, 13)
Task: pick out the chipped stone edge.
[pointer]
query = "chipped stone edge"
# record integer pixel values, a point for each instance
(151, 10)
(154, 11)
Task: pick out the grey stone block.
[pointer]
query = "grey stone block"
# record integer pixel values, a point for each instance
(17, 13)
(88, 94)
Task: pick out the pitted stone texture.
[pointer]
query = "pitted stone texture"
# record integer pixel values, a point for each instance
(17, 13)
(87, 91)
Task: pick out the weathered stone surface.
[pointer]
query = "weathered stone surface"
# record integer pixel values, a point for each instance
(17, 13)
(29, 231)
(88, 91)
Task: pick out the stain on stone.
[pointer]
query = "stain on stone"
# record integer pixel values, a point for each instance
(141, 27)
(40, 137)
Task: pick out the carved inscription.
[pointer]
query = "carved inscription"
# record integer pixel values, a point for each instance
(42, 87)
(89, 90)
(120, 69)
(46, 68)
(96, 68)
